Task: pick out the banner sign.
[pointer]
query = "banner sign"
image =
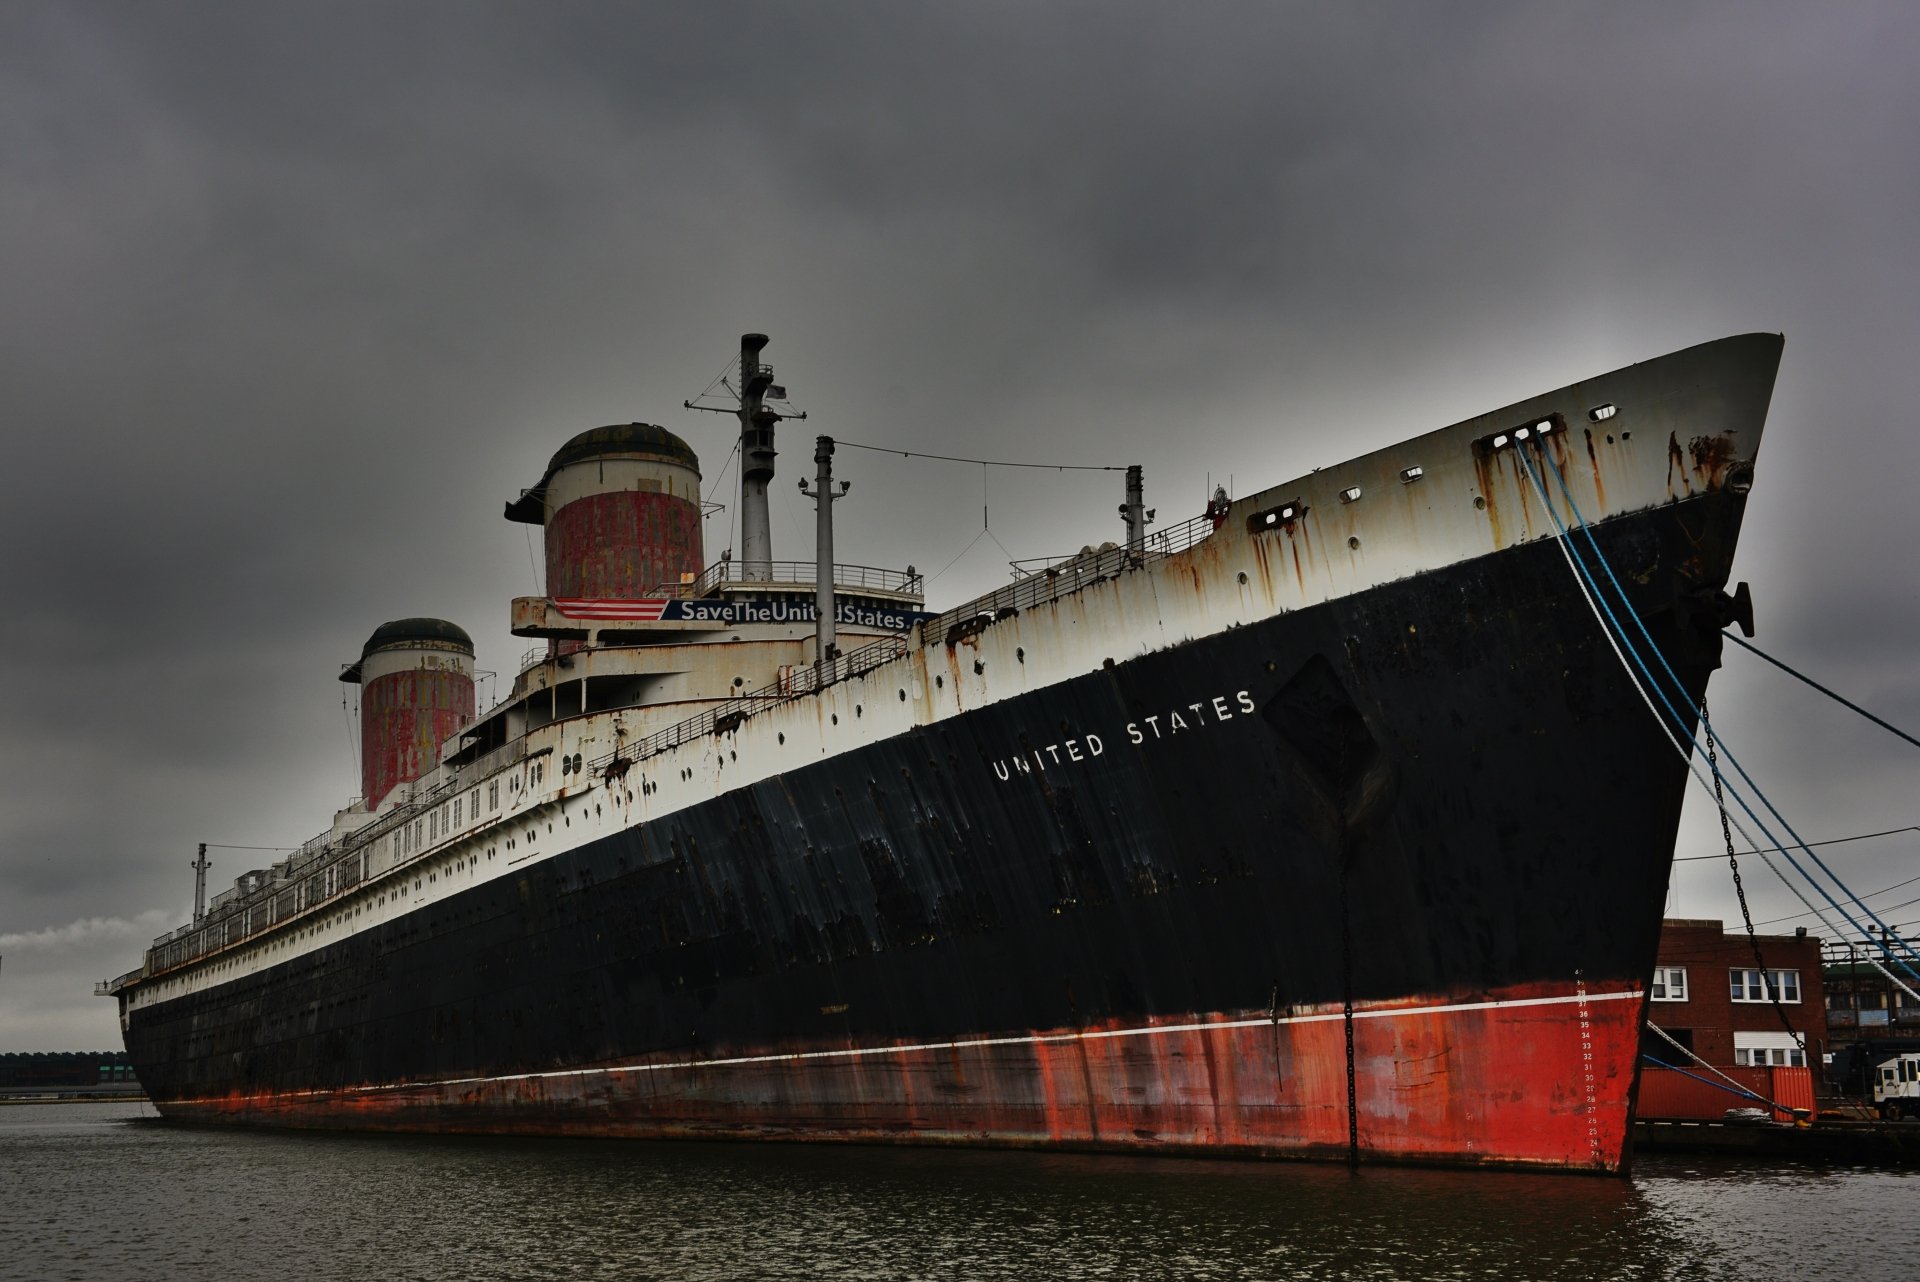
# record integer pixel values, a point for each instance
(750, 610)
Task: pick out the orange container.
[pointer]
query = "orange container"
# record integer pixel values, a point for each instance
(1668, 1094)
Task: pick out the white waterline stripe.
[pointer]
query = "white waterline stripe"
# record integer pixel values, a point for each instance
(1033, 1039)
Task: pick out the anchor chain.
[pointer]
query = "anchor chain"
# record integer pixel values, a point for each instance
(1346, 986)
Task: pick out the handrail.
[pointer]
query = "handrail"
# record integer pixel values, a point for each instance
(1049, 584)
(723, 573)
(1084, 570)
(1045, 585)
(730, 713)
(318, 850)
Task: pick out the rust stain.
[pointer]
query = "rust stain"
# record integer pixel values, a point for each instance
(1676, 461)
(1484, 475)
(1711, 457)
(1205, 1084)
(1599, 481)
(1259, 547)
(1524, 484)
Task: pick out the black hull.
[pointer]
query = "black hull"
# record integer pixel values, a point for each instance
(1445, 787)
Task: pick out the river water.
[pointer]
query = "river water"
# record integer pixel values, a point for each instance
(109, 1191)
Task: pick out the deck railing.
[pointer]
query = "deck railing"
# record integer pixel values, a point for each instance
(1048, 584)
(731, 573)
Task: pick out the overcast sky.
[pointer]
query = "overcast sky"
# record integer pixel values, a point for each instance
(296, 296)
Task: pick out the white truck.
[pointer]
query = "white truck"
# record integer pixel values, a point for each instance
(1896, 1086)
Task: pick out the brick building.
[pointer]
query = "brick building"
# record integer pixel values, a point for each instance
(1709, 995)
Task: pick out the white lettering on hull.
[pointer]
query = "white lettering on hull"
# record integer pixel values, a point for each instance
(1208, 711)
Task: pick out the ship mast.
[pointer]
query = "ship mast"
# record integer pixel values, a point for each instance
(756, 461)
(200, 884)
(824, 494)
(1133, 513)
(756, 456)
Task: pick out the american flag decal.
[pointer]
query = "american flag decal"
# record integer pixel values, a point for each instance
(643, 610)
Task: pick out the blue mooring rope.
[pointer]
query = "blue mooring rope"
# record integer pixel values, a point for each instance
(1741, 1091)
(1672, 712)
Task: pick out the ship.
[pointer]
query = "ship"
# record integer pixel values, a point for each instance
(1328, 823)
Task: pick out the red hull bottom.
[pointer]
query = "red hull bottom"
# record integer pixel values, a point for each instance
(1540, 1076)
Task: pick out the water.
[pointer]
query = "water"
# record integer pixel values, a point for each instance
(110, 1191)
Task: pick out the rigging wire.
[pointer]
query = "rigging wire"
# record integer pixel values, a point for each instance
(353, 739)
(721, 475)
(1822, 689)
(1582, 524)
(984, 532)
(1587, 590)
(1739, 888)
(1831, 841)
(727, 367)
(1890, 908)
(1869, 895)
(983, 462)
(218, 845)
(528, 531)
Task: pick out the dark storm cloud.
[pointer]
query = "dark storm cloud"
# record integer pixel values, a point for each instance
(297, 294)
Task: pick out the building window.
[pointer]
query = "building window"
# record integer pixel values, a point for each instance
(1762, 1050)
(1669, 984)
(1748, 985)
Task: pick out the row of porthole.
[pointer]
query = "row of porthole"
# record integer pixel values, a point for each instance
(569, 766)
(1286, 513)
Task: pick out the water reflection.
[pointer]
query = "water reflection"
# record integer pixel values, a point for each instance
(150, 1199)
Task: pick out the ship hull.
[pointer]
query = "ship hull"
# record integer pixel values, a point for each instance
(1379, 878)
(1520, 1078)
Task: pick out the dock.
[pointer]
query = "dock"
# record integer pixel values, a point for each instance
(1830, 1140)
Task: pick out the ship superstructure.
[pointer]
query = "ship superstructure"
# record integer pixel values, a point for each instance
(1324, 824)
